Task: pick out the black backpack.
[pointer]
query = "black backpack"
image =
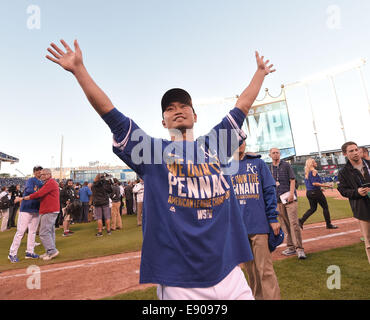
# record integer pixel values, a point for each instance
(4, 202)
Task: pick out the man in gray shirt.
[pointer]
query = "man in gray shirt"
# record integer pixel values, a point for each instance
(285, 186)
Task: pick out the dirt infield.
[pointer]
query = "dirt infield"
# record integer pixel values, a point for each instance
(107, 276)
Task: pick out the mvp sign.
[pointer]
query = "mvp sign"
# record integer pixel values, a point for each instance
(268, 126)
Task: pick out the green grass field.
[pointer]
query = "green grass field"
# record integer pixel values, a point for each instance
(83, 244)
(307, 279)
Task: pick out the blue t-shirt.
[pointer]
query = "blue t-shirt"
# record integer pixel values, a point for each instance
(255, 190)
(311, 179)
(193, 232)
(85, 194)
(31, 206)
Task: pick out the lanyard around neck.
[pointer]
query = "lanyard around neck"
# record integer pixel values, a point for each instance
(277, 170)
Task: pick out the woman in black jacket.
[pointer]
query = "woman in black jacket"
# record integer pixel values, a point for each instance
(101, 191)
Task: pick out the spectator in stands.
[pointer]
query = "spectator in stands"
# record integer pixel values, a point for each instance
(85, 194)
(101, 190)
(139, 191)
(314, 194)
(364, 153)
(7, 182)
(287, 204)
(49, 209)
(353, 183)
(5, 203)
(15, 192)
(28, 218)
(116, 202)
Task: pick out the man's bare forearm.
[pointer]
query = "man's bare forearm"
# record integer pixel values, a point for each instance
(96, 96)
(292, 187)
(249, 95)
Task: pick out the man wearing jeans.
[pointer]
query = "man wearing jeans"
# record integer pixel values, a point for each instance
(28, 218)
(285, 184)
(49, 209)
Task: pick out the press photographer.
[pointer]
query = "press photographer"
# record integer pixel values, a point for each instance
(101, 191)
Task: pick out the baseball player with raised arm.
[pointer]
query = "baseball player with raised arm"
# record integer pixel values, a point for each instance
(194, 237)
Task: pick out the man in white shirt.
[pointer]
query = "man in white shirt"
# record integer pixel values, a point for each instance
(139, 191)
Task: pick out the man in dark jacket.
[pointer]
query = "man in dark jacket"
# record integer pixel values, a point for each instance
(129, 198)
(101, 191)
(68, 197)
(352, 181)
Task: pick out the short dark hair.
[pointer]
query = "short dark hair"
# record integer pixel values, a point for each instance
(349, 143)
(364, 150)
(37, 168)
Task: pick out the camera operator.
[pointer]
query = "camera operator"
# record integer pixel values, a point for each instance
(101, 190)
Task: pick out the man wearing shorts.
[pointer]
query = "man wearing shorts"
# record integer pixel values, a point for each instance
(193, 234)
(101, 191)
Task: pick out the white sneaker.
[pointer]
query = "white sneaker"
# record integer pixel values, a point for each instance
(289, 252)
(301, 254)
(49, 257)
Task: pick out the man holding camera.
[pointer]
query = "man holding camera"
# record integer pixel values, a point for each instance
(101, 191)
(354, 184)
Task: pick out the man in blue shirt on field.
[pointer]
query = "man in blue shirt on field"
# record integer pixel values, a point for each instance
(28, 219)
(85, 194)
(193, 234)
(255, 190)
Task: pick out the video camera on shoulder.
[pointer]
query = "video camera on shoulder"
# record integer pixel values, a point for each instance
(107, 177)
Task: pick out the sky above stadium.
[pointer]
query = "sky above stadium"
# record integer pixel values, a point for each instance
(137, 50)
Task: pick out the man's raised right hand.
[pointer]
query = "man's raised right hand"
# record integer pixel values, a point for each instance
(69, 60)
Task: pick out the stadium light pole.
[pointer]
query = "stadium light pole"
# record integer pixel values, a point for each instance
(313, 119)
(61, 159)
(330, 74)
(364, 87)
(339, 108)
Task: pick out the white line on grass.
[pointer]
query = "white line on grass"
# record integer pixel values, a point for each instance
(324, 237)
(83, 265)
(89, 264)
(324, 225)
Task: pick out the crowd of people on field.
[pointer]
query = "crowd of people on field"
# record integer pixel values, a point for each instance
(201, 224)
(103, 201)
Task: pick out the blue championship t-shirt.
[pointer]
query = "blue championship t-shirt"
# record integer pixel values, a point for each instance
(255, 190)
(193, 233)
(31, 206)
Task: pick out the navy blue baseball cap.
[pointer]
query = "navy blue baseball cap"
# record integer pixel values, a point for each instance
(275, 241)
(176, 95)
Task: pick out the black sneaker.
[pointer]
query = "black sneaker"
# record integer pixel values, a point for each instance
(331, 226)
(99, 234)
